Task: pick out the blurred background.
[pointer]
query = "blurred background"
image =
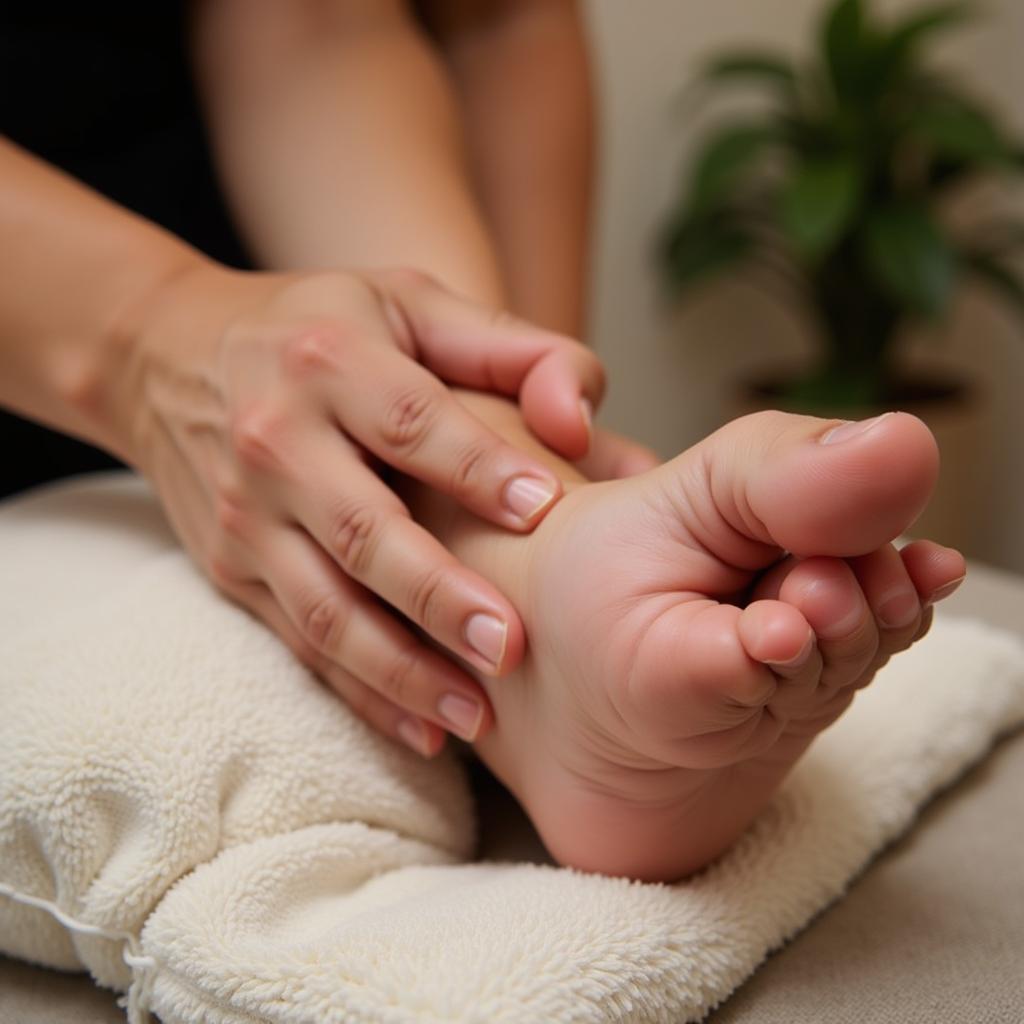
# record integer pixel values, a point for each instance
(675, 365)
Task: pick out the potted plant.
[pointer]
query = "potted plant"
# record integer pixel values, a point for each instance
(838, 193)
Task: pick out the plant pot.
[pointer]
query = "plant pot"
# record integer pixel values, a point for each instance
(955, 411)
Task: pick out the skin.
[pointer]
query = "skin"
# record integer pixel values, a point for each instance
(343, 140)
(512, 233)
(215, 383)
(194, 373)
(680, 660)
(522, 80)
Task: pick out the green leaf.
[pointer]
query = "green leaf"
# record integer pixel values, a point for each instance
(695, 248)
(755, 65)
(910, 257)
(960, 132)
(725, 157)
(998, 276)
(847, 47)
(818, 203)
(906, 35)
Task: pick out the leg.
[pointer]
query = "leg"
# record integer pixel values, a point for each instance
(671, 681)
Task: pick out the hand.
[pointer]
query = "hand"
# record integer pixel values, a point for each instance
(259, 406)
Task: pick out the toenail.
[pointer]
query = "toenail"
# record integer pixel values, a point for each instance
(839, 607)
(852, 428)
(946, 590)
(487, 635)
(898, 608)
(462, 714)
(800, 659)
(587, 413)
(525, 496)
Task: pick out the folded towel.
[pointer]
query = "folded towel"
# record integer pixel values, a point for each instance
(194, 816)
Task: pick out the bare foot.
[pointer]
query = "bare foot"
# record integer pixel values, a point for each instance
(671, 680)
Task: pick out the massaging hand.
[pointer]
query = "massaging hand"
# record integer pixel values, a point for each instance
(259, 406)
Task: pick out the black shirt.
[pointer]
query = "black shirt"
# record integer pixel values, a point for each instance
(105, 92)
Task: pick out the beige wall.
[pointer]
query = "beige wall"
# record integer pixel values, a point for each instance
(670, 369)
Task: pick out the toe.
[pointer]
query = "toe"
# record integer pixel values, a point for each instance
(891, 596)
(826, 592)
(804, 485)
(695, 691)
(935, 571)
(888, 588)
(777, 634)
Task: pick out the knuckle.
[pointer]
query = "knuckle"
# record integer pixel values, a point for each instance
(257, 435)
(426, 593)
(352, 536)
(232, 512)
(409, 417)
(468, 468)
(399, 681)
(222, 571)
(315, 350)
(408, 277)
(322, 622)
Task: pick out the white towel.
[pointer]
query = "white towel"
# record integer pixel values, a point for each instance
(171, 778)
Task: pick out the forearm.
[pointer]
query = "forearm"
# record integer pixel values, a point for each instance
(522, 75)
(338, 140)
(74, 271)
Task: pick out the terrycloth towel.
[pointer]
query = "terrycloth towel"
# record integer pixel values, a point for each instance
(180, 791)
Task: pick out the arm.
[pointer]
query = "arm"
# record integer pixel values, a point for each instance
(522, 76)
(249, 400)
(337, 136)
(75, 272)
(481, 143)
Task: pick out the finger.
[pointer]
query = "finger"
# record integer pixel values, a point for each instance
(613, 457)
(936, 571)
(404, 415)
(422, 736)
(473, 346)
(364, 527)
(338, 619)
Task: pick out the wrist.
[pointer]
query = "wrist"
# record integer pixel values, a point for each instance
(145, 320)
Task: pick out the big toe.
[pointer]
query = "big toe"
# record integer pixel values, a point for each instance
(807, 485)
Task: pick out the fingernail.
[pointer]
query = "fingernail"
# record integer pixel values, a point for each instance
(946, 590)
(464, 715)
(414, 734)
(525, 496)
(853, 428)
(899, 609)
(800, 659)
(487, 636)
